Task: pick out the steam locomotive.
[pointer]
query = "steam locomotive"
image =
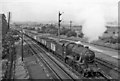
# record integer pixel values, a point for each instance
(78, 56)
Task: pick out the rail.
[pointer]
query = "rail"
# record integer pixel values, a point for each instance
(108, 65)
(36, 41)
(48, 65)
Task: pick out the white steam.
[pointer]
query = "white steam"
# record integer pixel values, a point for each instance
(94, 23)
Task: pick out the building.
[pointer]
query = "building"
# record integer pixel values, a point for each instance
(112, 32)
(0, 27)
(77, 28)
(3, 26)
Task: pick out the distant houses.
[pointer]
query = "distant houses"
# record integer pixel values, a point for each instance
(112, 32)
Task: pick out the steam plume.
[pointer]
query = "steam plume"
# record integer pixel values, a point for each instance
(94, 23)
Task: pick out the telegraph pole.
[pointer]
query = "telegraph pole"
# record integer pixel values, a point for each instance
(8, 21)
(22, 45)
(70, 25)
(59, 20)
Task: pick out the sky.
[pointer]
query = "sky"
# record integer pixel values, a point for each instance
(47, 10)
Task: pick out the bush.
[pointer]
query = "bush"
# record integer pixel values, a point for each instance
(81, 35)
(71, 33)
(118, 40)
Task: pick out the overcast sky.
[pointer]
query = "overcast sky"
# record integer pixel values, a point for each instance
(47, 10)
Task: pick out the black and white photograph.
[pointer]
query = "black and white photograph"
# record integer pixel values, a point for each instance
(60, 40)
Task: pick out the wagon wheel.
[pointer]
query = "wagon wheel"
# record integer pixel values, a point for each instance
(67, 61)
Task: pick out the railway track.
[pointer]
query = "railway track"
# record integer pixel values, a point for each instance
(105, 77)
(104, 63)
(77, 73)
(108, 65)
(59, 72)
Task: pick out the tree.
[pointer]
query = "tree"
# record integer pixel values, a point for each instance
(64, 31)
(9, 41)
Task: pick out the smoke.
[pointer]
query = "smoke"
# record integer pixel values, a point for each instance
(94, 23)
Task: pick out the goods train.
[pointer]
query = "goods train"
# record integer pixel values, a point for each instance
(78, 56)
